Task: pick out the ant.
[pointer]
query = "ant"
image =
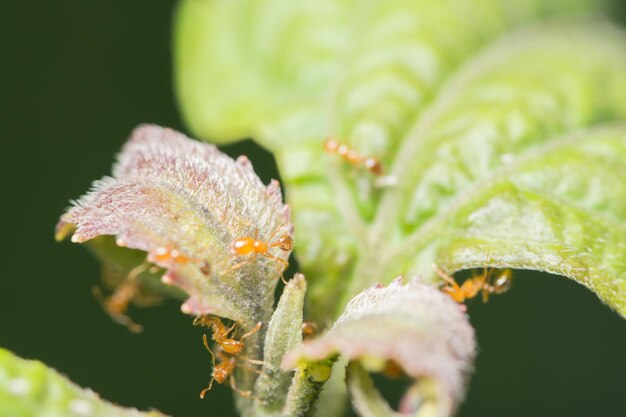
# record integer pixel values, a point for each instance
(166, 254)
(224, 370)
(117, 303)
(229, 350)
(393, 370)
(251, 245)
(309, 329)
(482, 283)
(221, 333)
(373, 165)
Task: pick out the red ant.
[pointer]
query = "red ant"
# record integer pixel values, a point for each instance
(373, 165)
(483, 283)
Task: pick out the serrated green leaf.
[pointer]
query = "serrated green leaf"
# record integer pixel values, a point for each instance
(450, 104)
(29, 389)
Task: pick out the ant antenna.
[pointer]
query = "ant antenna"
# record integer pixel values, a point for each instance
(206, 345)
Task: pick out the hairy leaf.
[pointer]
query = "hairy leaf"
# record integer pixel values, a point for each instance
(284, 333)
(184, 203)
(29, 388)
(471, 126)
(413, 329)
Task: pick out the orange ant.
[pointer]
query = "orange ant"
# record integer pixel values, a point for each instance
(373, 165)
(252, 246)
(229, 350)
(117, 303)
(393, 370)
(224, 370)
(483, 283)
(309, 329)
(221, 333)
(165, 254)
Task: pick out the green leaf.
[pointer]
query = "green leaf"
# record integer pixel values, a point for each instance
(29, 388)
(284, 333)
(554, 209)
(501, 146)
(519, 113)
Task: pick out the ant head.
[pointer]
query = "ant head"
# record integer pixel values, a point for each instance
(284, 242)
(393, 370)
(205, 267)
(309, 328)
(220, 373)
(503, 281)
(204, 320)
(374, 166)
(331, 145)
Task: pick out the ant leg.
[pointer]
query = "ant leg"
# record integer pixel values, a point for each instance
(138, 270)
(275, 232)
(244, 263)
(486, 292)
(239, 265)
(250, 368)
(233, 385)
(281, 260)
(251, 332)
(206, 345)
(447, 278)
(248, 364)
(199, 320)
(456, 292)
(252, 361)
(487, 287)
(230, 329)
(126, 321)
(116, 304)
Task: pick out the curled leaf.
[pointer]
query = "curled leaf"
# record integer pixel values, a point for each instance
(412, 329)
(29, 388)
(185, 203)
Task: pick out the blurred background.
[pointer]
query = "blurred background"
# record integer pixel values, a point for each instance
(75, 77)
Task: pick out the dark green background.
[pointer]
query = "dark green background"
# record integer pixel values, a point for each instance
(76, 77)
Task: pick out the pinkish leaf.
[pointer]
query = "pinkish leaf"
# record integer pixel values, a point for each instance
(184, 203)
(411, 329)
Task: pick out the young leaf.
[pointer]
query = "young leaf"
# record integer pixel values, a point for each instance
(450, 107)
(502, 171)
(184, 203)
(411, 329)
(284, 333)
(29, 388)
